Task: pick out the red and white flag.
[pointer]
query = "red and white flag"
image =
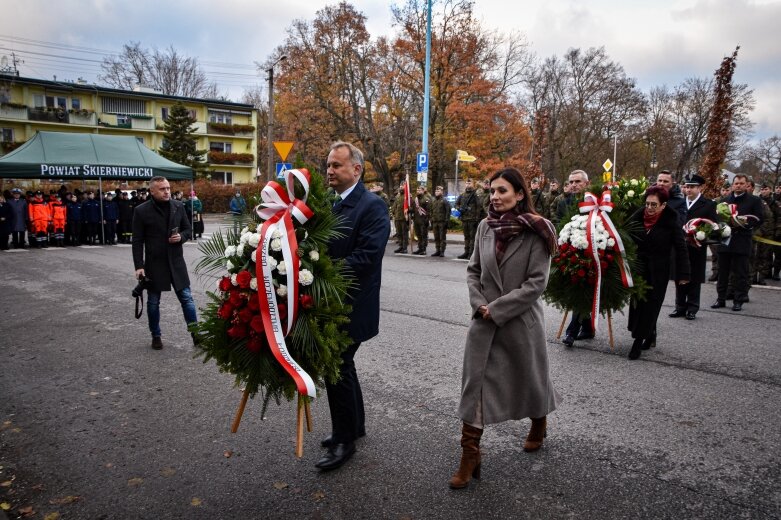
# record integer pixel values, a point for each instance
(407, 199)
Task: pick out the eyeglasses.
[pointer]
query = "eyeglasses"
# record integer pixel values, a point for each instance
(652, 204)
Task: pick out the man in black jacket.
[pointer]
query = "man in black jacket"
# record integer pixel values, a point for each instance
(160, 227)
(677, 200)
(687, 296)
(733, 258)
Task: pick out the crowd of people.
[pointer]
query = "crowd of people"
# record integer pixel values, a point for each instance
(63, 218)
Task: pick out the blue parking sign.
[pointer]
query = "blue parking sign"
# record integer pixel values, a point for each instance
(422, 162)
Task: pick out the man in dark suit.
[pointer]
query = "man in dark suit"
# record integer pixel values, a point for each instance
(366, 229)
(160, 227)
(733, 258)
(687, 296)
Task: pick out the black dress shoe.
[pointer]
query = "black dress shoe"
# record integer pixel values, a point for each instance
(463, 257)
(737, 306)
(691, 316)
(399, 250)
(677, 314)
(713, 278)
(568, 340)
(585, 335)
(157, 343)
(718, 304)
(336, 456)
(635, 352)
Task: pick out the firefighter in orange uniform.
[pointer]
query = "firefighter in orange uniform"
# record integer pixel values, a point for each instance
(40, 217)
(59, 217)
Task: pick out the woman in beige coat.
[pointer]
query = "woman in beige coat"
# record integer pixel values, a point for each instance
(505, 360)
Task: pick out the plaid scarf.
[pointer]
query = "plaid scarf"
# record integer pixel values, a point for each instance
(509, 224)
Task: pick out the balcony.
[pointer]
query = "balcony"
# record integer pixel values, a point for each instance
(230, 158)
(82, 117)
(48, 114)
(13, 111)
(229, 129)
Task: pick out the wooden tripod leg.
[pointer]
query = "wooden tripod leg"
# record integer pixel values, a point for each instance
(308, 413)
(240, 411)
(610, 330)
(563, 321)
(300, 428)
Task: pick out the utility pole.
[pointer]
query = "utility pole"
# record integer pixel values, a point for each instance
(270, 149)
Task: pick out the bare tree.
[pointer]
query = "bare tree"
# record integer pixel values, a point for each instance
(768, 156)
(166, 71)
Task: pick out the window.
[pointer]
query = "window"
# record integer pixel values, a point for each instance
(219, 117)
(164, 113)
(222, 177)
(8, 135)
(123, 106)
(76, 103)
(56, 101)
(39, 101)
(220, 147)
(123, 119)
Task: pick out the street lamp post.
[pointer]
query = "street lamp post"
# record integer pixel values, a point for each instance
(271, 170)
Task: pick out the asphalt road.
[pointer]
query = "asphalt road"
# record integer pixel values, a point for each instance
(95, 424)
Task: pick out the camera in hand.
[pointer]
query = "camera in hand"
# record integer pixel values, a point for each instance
(143, 284)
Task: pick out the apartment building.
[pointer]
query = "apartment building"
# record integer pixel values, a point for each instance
(226, 129)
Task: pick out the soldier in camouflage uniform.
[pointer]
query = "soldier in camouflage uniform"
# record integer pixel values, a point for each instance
(377, 189)
(538, 198)
(400, 222)
(421, 211)
(549, 197)
(470, 207)
(554, 205)
(761, 254)
(440, 215)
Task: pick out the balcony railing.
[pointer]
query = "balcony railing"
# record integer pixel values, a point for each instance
(229, 129)
(50, 115)
(13, 111)
(230, 158)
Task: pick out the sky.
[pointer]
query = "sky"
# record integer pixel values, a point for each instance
(657, 42)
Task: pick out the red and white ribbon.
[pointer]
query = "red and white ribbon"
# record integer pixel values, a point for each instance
(598, 210)
(733, 211)
(278, 208)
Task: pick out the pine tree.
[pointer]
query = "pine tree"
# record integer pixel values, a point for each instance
(180, 142)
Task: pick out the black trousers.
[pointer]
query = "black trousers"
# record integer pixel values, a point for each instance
(74, 231)
(4, 240)
(578, 323)
(687, 297)
(738, 266)
(18, 238)
(345, 401)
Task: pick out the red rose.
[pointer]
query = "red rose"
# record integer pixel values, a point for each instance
(238, 331)
(225, 283)
(257, 324)
(562, 268)
(253, 303)
(307, 302)
(255, 344)
(609, 258)
(243, 279)
(245, 315)
(603, 264)
(573, 259)
(225, 311)
(236, 299)
(581, 273)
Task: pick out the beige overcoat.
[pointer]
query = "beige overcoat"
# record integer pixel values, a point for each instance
(506, 360)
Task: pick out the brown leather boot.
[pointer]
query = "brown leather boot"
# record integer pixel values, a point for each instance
(537, 433)
(470, 457)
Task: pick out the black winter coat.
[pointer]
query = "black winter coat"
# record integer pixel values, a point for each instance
(653, 253)
(162, 262)
(741, 240)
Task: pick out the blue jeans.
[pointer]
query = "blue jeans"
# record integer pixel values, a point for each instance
(153, 309)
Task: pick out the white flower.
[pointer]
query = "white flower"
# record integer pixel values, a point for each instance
(276, 245)
(254, 240)
(282, 291)
(282, 268)
(276, 234)
(244, 230)
(314, 256)
(229, 265)
(254, 255)
(234, 280)
(305, 277)
(253, 284)
(271, 262)
(230, 251)
(633, 182)
(631, 193)
(699, 235)
(575, 218)
(726, 231)
(600, 228)
(611, 242)
(715, 226)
